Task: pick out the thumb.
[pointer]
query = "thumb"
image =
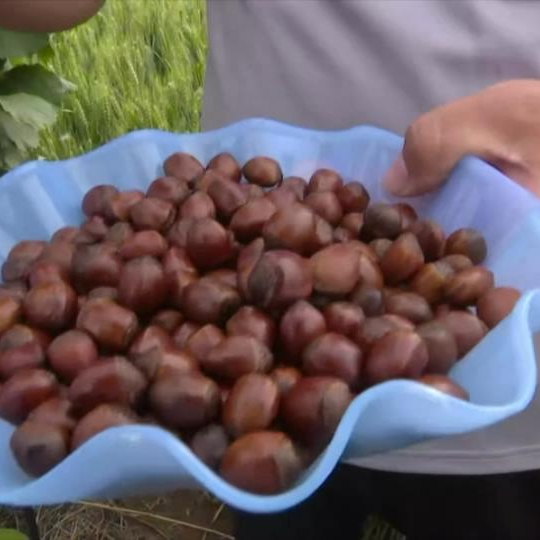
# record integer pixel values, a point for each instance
(436, 142)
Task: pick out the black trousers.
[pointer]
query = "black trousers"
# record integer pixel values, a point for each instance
(423, 507)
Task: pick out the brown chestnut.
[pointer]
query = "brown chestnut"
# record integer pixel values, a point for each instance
(496, 304)
(104, 416)
(353, 197)
(149, 338)
(468, 242)
(263, 171)
(344, 318)
(227, 276)
(369, 299)
(285, 378)
(176, 259)
(250, 321)
(119, 205)
(207, 301)
(445, 385)
(168, 320)
(236, 356)
(203, 340)
(142, 286)
(162, 362)
(24, 391)
(55, 411)
(96, 200)
(65, 234)
(466, 287)
(398, 354)
(96, 227)
(185, 401)
(208, 243)
(46, 272)
(467, 329)
(282, 197)
(152, 213)
(119, 233)
(324, 180)
(382, 221)
(10, 312)
(96, 265)
(353, 222)
(402, 259)
(248, 221)
(431, 279)
(441, 346)
(342, 235)
(226, 164)
(431, 238)
(30, 354)
(72, 352)
(169, 188)
(296, 184)
(51, 306)
(197, 206)
(38, 447)
(228, 196)
(183, 166)
(248, 258)
(335, 269)
(252, 404)
(111, 380)
(313, 407)
(183, 333)
(409, 305)
(59, 252)
(326, 204)
(20, 259)
(300, 325)
(263, 462)
(457, 262)
(143, 243)
(209, 444)
(112, 326)
(380, 246)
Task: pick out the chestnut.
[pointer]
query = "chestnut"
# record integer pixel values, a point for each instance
(162, 362)
(65, 234)
(326, 204)
(382, 221)
(468, 242)
(369, 299)
(334, 355)
(226, 276)
(262, 171)
(102, 417)
(236, 356)
(369, 273)
(353, 222)
(324, 180)
(96, 200)
(55, 411)
(183, 333)
(203, 340)
(168, 320)
(208, 243)
(178, 233)
(72, 352)
(30, 354)
(112, 326)
(353, 197)
(228, 197)
(111, 380)
(344, 318)
(457, 262)
(496, 304)
(323, 235)
(61, 253)
(119, 205)
(96, 227)
(10, 312)
(408, 215)
(209, 444)
(152, 213)
(207, 301)
(278, 279)
(21, 334)
(248, 221)
(252, 191)
(467, 329)
(431, 279)
(24, 391)
(380, 246)
(296, 184)
(185, 401)
(183, 166)
(398, 354)
(342, 235)
(143, 243)
(285, 378)
(169, 188)
(142, 286)
(119, 233)
(402, 259)
(96, 265)
(20, 259)
(149, 338)
(248, 258)
(291, 228)
(197, 206)
(335, 269)
(176, 259)
(15, 290)
(263, 462)
(445, 385)
(441, 345)
(226, 164)
(313, 407)
(431, 238)
(409, 305)
(282, 197)
(51, 306)
(467, 286)
(252, 405)
(250, 321)
(38, 447)
(46, 272)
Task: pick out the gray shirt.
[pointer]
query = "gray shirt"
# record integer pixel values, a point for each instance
(332, 64)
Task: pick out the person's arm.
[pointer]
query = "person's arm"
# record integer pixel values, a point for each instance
(500, 124)
(46, 15)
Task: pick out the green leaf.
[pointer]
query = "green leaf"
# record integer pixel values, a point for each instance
(29, 109)
(35, 80)
(21, 43)
(22, 135)
(12, 534)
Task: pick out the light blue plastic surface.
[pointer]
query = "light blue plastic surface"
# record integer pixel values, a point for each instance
(500, 373)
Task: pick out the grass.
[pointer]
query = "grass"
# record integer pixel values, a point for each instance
(138, 64)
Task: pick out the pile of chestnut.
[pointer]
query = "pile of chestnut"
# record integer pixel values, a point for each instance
(239, 310)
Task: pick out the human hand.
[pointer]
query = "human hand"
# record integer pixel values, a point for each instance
(500, 124)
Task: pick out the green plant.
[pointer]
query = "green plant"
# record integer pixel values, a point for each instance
(12, 534)
(30, 94)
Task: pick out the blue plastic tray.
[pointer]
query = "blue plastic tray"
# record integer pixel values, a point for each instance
(500, 373)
